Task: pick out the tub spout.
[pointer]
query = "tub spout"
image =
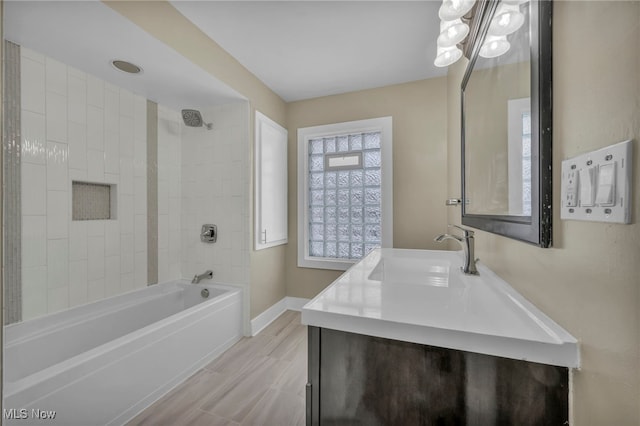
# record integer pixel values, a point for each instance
(197, 278)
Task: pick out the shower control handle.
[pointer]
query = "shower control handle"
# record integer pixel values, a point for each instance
(209, 233)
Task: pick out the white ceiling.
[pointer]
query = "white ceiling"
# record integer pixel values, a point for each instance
(306, 49)
(88, 35)
(300, 49)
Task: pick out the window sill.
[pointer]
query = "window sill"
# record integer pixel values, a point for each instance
(323, 263)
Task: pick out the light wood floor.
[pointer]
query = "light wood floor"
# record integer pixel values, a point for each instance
(258, 381)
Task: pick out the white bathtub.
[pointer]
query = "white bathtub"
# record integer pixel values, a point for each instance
(104, 362)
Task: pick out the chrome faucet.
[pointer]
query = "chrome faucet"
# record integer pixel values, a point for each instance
(466, 241)
(197, 278)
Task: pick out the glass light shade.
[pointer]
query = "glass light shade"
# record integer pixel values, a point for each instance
(516, 2)
(494, 46)
(454, 9)
(452, 33)
(508, 19)
(446, 56)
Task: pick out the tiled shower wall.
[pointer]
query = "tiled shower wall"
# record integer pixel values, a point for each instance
(169, 193)
(215, 190)
(78, 127)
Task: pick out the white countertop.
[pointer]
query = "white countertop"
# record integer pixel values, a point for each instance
(421, 296)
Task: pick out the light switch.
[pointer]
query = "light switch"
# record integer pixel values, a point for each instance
(606, 190)
(587, 187)
(596, 185)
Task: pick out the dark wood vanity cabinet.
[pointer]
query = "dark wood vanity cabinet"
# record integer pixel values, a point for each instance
(363, 380)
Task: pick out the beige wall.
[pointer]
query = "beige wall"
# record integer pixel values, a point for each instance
(419, 164)
(164, 22)
(589, 281)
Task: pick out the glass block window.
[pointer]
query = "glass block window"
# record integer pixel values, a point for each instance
(345, 190)
(344, 202)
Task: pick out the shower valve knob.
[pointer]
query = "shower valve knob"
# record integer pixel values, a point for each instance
(209, 233)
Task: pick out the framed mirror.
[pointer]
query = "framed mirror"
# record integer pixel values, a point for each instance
(506, 121)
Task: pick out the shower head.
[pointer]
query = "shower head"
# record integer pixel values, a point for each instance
(193, 118)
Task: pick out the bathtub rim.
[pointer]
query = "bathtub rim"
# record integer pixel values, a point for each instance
(12, 389)
(60, 319)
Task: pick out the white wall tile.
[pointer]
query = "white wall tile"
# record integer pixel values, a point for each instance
(34, 292)
(95, 290)
(34, 189)
(77, 127)
(112, 276)
(127, 254)
(95, 128)
(126, 214)
(140, 164)
(127, 282)
(26, 53)
(139, 118)
(174, 214)
(112, 238)
(112, 178)
(140, 235)
(57, 166)
(126, 176)
(126, 103)
(56, 117)
(57, 263)
(140, 276)
(95, 165)
(77, 146)
(174, 270)
(126, 136)
(78, 283)
(76, 73)
(95, 91)
(95, 228)
(33, 137)
(111, 153)
(163, 265)
(163, 231)
(140, 195)
(57, 299)
(77, 100)
(34, 279)
(58, 214)
(163, 198)
(111, 109)
(78, 274)
(78, 240)
(34, 241)
(96, 258)
(32, 85)
(56, 76)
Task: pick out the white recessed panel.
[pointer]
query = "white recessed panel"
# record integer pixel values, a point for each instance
(596, 186)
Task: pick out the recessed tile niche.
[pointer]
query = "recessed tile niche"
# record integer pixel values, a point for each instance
(93, 201)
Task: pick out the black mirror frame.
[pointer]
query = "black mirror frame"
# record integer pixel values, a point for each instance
(535, 229)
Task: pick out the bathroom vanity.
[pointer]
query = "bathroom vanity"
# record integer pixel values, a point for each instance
(404, 337)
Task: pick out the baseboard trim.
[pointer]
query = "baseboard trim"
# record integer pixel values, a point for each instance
(273, 312)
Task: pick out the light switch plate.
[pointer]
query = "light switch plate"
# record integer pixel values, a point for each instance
(615, 208)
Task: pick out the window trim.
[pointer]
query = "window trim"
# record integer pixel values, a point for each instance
(383, 125)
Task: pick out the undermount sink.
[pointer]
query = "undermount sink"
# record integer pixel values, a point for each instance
(434, 271)
(422, 296)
